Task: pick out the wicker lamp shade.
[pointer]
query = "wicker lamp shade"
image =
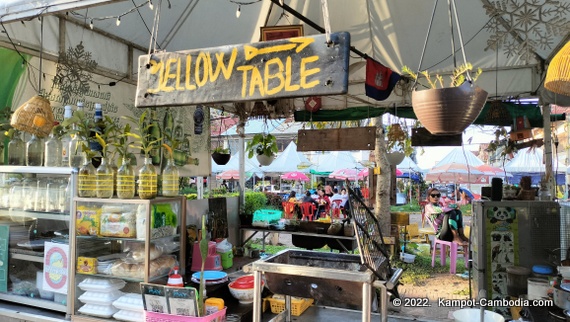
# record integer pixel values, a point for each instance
(35, 117)
(558, 72)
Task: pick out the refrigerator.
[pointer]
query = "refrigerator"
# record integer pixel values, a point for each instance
(505, 233)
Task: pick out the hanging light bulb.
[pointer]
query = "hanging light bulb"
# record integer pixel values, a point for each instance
(118, 22)
(91, 24)
(150, 5)
(238, 12)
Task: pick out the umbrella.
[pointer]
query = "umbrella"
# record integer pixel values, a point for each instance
(491, 170)
(295, 175)
(455, 173)
(342, 174)
(364, 173)
(229, 175)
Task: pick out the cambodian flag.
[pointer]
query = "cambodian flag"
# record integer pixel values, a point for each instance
(380, 80)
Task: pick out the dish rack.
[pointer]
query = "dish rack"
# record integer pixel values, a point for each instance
(164, 317)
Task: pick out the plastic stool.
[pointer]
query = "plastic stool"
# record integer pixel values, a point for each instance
(452, 254)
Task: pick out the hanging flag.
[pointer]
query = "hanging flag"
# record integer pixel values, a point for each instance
(380, 80)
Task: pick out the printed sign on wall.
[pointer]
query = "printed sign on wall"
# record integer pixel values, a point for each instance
(56, 261)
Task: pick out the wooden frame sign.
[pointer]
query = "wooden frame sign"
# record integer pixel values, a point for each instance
(345, 139)
(286, 68)
(281, 32)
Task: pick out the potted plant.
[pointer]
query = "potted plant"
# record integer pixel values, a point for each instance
(147, 183)
(221, 155)
(448, 110)
(264, 146)
(398, 144)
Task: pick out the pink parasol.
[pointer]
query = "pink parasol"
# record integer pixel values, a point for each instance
(295, 176)
(491, 170)
(343, 174)
(228, 175)
(455, 173)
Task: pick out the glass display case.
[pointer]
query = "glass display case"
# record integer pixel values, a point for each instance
(120, 243)
(35, 217)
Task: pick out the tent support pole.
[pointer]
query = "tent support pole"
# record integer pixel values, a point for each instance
(548, 150)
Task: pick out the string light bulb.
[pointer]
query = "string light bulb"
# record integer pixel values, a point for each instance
(238, 12)
(91, 24)
(150, 5)
(118, 22)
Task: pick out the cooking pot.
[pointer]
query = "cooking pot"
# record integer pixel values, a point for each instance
(567, 315)
(562, 296)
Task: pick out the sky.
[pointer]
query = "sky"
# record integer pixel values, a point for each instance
(473, 136)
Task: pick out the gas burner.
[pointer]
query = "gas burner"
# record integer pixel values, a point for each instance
(557, 313)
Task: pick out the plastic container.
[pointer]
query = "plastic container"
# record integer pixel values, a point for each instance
(127, 315)
(213, 261)
(268, 215)
(102, 311)
(537, 288)
(101, 285)
(162, 317)
(517, 280)
(225, 250)
(298, 306)
(473, 315)
(213, 305)
(130, 302)
(100, 298)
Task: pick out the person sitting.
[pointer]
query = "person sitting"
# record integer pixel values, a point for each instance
(450, 230)
(308, 198)
(344, 196)
(328, 191)
(336, 195)
(292, 197)
(323, 204)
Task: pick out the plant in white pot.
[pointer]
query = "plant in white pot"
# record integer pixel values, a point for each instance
(398, 144)
(264, 146)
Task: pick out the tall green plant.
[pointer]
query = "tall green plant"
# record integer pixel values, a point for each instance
(262, 144)
(254, 201)
(142, 139)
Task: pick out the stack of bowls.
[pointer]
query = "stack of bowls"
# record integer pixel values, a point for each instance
(242, 289)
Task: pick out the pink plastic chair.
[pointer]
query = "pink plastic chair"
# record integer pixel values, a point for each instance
(444, 246)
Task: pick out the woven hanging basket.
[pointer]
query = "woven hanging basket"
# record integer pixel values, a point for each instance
(558, 72)
(35, 117)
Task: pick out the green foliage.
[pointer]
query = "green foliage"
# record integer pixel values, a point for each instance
(274, 201)
(80, 124)
(142, 138)
(254, 201)
(221, 150)
(457, 78)
(262, 144)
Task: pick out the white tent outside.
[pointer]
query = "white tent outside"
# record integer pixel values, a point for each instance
(251, 165)
(408, 165)
(457, 155)
(526, 160)
(288, 161)
(328, 162)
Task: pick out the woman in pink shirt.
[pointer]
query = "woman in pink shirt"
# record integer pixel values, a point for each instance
(437, 212)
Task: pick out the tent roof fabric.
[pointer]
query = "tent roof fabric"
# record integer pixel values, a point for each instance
(457, 156)
(328, 162)
(287, 161)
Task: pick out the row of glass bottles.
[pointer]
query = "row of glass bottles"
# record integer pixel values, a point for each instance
(32, 194)
(102, 182)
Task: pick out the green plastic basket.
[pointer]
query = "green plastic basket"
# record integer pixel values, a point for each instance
(268, 215)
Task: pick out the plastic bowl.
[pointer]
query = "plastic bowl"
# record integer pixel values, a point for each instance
(243, 295)
(473, 315)
(243, 282)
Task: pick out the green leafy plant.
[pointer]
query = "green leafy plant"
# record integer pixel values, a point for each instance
(221, 150)
(457, 77)
(262, 144)
(398, 139)
(58, 131)
(122, 143)
(80, 124)
(254, 201)
(142, 139)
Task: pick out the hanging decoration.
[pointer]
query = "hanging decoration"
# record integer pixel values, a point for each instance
(558, 73)
(380, 80)
(74, 71)
(522, 27)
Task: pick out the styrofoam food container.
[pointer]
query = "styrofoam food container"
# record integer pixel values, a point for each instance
(101, 284)
(473, 315)
(130, 301)
(101, 298)
(127, 315)
(102, 311)
(564, 271)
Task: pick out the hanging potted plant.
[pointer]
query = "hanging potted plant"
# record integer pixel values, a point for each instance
(264, 146)
(398, 144)
(221, 155)
(448, 110)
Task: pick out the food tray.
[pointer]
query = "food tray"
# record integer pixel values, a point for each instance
(297, 306)
(163, 317)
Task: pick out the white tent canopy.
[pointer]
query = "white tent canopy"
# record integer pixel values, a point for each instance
(459, 155)
(408, 165)
(251, 165)
(288, 161)
(527, 160)
(328, 162)
(380, 29)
